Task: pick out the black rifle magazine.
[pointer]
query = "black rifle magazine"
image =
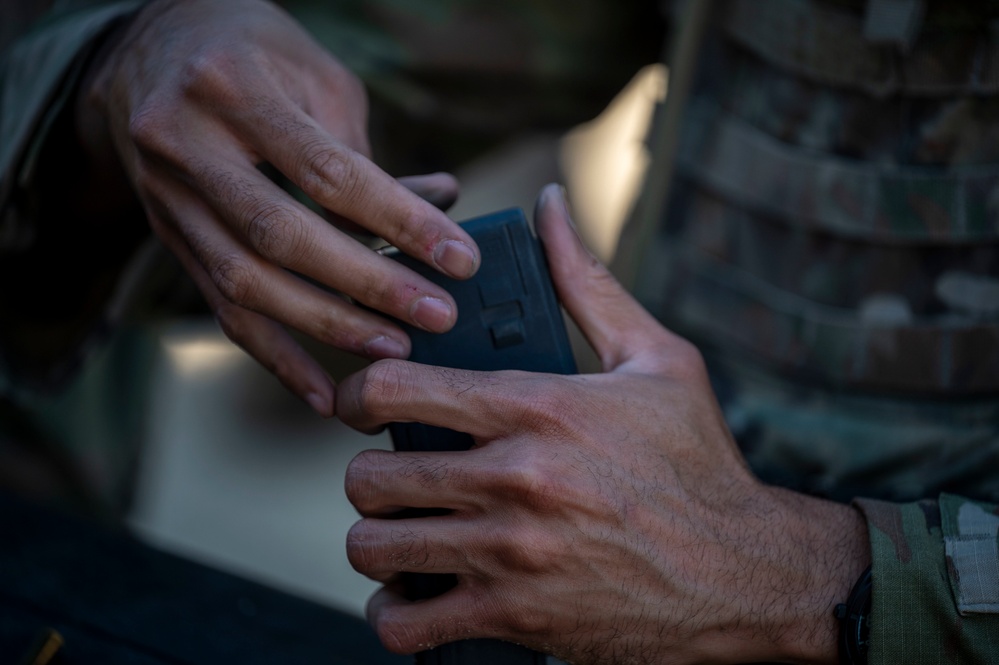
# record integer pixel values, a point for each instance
(508, 318)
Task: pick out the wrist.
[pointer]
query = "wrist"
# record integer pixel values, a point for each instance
(801, 557)
(829, 544)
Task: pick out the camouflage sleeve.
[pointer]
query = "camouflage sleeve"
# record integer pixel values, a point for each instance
(936, 581)
(37, 73)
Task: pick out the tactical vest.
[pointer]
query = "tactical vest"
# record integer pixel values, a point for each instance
(833, 206)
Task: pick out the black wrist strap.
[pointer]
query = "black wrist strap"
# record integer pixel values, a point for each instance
(854, 622)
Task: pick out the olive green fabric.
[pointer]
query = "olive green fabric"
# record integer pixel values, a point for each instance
(916, 577)
(875, 207)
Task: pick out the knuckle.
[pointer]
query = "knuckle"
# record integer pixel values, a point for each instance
(384, 292)
(528, 550)
(275, 233)
(235, 278)
(414, 229)
(399, 636)
(436, 474)
(386, 384)
(686, 362)
(409, 552)
(359, 480)
(361, 550)
(212, 73)
(331, 174)
(152, 131)
(544, 410)
(431, 473)
(528, 478)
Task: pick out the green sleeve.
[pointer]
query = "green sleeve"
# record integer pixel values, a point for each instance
(936, 581)
(37, 75)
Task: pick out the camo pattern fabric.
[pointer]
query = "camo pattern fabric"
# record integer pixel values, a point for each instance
(950, 546)
(831, 243)
(879, 210)
(450, 79)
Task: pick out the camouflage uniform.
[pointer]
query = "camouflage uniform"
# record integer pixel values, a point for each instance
(830, 241)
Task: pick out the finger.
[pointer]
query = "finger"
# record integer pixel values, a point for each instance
(345, 182)
(285, 232)
(438, 189)
(380, 548)
(246, 280)
(486, 405)
(614, 323)
(273, 347)
(380, 482)
(406, 627)
(263, 339)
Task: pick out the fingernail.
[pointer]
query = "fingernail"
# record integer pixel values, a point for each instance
(318, 403)
(385, 347)
(431, 313)
(456, 258)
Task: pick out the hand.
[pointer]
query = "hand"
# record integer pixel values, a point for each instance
(603, 518)
(192, 98)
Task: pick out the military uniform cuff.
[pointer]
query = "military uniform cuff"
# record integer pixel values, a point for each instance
(37, 75)
(933, 562)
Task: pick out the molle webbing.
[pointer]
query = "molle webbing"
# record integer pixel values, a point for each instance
(875, 233)
(830, 45)
(864, 200)
(873, 205)
(834, 345)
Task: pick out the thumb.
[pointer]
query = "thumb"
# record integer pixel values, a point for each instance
(615, 324)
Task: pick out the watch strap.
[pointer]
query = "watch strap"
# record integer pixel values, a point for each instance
(854, 617)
